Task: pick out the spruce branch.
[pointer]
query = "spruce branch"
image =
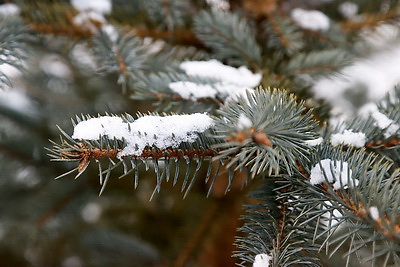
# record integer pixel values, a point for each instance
(167, 13)
(230, 37)
(175, 153)
(276, 228)
(317, 62)
(265, 132)
(365, 203)
(53, 18)
(283, 35)
(13, 49)
(127, 58)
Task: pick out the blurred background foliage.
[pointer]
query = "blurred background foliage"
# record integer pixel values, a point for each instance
(47, 222)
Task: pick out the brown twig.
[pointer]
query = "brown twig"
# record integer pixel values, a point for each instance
(371, 20)
(84, 152)
(278, 30)
(389, 143)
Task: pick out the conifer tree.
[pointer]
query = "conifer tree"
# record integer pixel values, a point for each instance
(255, 133)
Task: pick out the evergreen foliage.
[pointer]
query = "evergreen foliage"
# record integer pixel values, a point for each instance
(315, 171)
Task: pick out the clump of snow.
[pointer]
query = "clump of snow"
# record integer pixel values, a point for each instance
(332, 171)
(53, 65)
(348, 137)
(241, 76)
(111, 32)
(262, 260)
(348, 9)
(314, 142)
(219, 4)
(244, 122)
(379, 37)
(333, 215)
(230, 83)
(89, 20)
(192, 91)
(389, 126)
(310, 19)
(16, 99)
(91, 14)
(373, 77)
(99, 6)
(9, 9)
(159, 131)
(105, 126)
(91, 212)
(9, 70)
(374, 212)
(82, 56)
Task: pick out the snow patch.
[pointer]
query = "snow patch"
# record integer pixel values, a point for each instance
(373, 77)
(159, 131)
(332, 171)
(374, 212)
(16, 99)
(244, 122)
(262, 260)
(314, 142)
(241, 76)
(99, 6)
(192, 91)
(9, 9)
(9, 70)
(219, 4)
(348, 137)
(89, 20)
(348, 9)
(389, 126)
(310, 19)
(231, 82)
(105, 126)
(82, 56)
(53, 65)
(111, 32)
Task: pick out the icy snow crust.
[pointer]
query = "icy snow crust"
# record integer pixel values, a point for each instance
(158, 131)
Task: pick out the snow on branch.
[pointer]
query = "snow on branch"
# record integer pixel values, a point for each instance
(241, 76)
(9, 9)
(389, 127)
(262, 260)
(310, 19)
(159, 131)
(99, 6)
(348, 137)
(337, 172)
(230, 81)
